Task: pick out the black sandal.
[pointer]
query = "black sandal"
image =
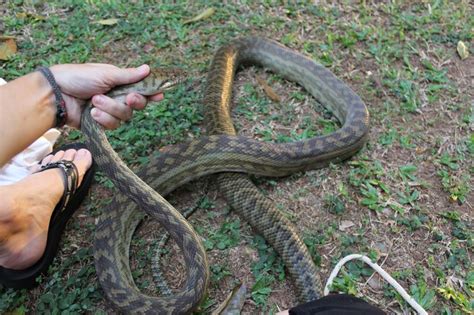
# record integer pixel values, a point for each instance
(69, 203)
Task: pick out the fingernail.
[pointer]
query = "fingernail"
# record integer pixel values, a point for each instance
(136, 99)
(98, 99)
(143, 69)
(95, 112)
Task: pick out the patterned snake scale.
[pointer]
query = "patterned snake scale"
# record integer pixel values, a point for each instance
(184, 162)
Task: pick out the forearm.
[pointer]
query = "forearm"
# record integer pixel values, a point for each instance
(27, 110)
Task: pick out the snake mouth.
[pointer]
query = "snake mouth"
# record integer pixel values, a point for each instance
(167, 85)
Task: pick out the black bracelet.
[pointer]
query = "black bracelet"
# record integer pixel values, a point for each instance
(61, 113)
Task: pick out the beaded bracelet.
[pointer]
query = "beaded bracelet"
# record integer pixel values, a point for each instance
(61, 113)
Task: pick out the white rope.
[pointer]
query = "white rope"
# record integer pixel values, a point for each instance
(380, 271)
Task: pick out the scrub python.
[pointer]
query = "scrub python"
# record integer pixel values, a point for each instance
(218, 153)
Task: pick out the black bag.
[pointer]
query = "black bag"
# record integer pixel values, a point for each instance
(336, 304)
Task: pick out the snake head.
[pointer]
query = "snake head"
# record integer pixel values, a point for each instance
(159, 80)
(164, 79)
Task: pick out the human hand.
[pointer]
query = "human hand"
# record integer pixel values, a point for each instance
(80, 82)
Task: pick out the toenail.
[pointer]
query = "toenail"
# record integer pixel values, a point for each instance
(82, 152)
(46, 159)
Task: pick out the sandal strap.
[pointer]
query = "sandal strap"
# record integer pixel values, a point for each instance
(70, 179)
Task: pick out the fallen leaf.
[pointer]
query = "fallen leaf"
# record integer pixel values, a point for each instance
(268, 90)
(107, 22)
(375, 283)
(7, 47)
(462, 50)
(24, 15)
(148, 47)
(381, 248)
(345, 224)
(21, 15)
(201, 16)
(38, 17)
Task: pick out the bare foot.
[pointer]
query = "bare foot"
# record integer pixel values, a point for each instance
(26, 209)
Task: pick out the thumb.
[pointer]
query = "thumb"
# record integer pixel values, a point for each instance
(131, 75)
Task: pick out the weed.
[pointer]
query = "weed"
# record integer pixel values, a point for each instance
(451, 215)
(219, 272)
(372, 197)
(413, 222)
(334, 204)
(407, 172)
(460, 299)
(267, 270)
(346, 284)
(227, 236)
(425, 296)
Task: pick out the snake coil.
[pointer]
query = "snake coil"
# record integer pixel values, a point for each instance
(220, 153)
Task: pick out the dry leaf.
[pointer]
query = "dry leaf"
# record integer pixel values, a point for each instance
(345, 224)
(375, 283)
(201, 16)
(21, 15)
(7, 47)
(107, 22)
(462, 50)
(148, 47)
(38, 17)
(268, 90)
(24, 15)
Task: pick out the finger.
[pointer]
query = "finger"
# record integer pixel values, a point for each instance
(156, 97)
(112, 107)
(106, 120)
(129, 75)
(136, 101)
(74, 108)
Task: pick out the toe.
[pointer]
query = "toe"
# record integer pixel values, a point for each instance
(83, 161)
(47, 159)
(82, 158)
(58, 156)
(69, 155)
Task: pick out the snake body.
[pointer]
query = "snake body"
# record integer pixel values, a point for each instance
(239, 191)
(186, 161)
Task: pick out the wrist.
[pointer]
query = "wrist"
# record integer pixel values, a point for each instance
(57, 72)
(45, 98)
(61, 112)
(62, 74)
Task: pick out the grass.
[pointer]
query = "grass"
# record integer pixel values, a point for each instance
(408, 193)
